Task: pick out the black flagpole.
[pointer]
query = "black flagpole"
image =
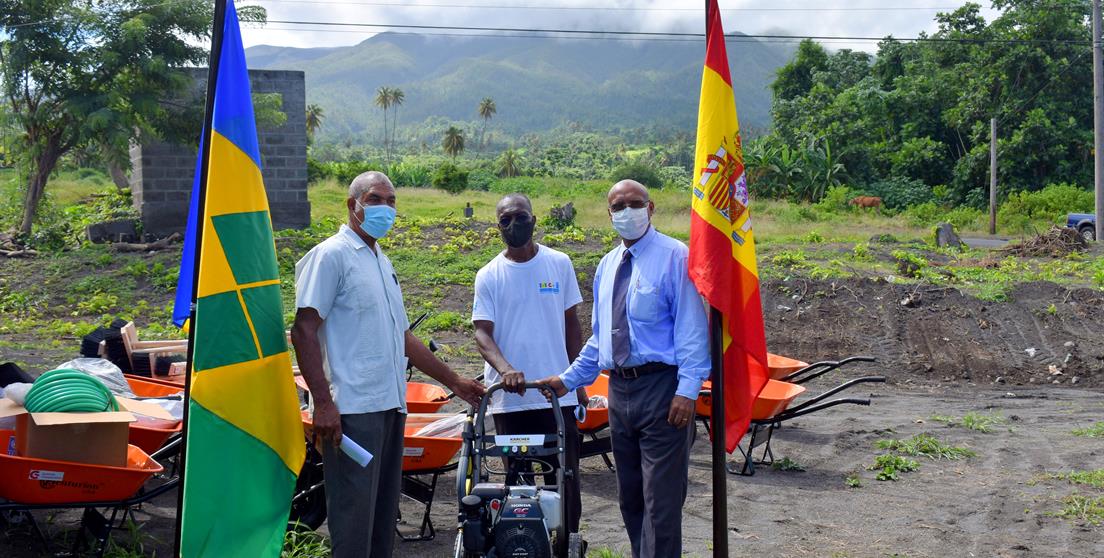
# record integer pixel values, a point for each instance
(720, 476)
(205, 158)
(717, 395)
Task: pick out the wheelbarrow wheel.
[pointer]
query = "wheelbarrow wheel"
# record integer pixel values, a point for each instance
(576, 548)
(308, 507)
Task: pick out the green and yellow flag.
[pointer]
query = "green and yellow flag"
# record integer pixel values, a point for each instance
(244, 444)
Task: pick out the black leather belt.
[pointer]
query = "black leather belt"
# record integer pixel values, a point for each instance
(633, 372)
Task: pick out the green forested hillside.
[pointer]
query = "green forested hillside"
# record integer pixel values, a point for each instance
(537, 84)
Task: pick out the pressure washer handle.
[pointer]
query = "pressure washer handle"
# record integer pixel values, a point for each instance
(499, 386)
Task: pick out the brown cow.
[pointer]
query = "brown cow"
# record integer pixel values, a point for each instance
(866, 201)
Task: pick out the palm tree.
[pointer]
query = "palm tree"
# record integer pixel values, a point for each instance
(397, 98)
(315, 116)
(487, 110)
(509, 164)
(383, 101)
(453, 142)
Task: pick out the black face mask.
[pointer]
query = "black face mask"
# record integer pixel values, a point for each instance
(518, 233)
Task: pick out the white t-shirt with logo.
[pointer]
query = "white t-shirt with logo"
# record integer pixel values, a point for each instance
(526, 301)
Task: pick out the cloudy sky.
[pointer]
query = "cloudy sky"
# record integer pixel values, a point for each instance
(866, 18)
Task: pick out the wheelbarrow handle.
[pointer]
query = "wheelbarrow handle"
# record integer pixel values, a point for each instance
(837, 389)
(452, 395)
(794, 413)
(823, 367)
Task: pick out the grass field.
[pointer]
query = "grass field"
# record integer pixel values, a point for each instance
(775, 221)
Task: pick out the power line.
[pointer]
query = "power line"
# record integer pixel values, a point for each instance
(612, 8)
(647, 34)
(730, 38)
(650, 9)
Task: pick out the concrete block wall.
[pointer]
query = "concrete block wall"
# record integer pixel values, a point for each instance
(161, 175)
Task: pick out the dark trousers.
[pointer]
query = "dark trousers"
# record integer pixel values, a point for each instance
(541, 421)
(653, 462)
(362, 503)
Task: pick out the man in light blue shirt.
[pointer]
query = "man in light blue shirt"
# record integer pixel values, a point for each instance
(353, 341)
(650, 331)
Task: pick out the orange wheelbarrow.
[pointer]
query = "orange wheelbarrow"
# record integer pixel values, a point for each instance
(146, 433)
(38, 484)
(597, 421)
(772, 407)
(422, 457)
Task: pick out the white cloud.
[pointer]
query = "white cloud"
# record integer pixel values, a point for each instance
(901, 18)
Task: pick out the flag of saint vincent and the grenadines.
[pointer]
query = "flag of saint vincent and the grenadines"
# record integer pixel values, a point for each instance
(722, 245)
(244, 445)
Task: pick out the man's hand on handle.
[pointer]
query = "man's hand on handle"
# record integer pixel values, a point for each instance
(469, 390)
(682, 411)
(514, 381)
(556, 384)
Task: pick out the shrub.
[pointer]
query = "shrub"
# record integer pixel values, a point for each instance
(675, 177)
(344, 172)
(450, 178)
(899, 192)
(1044, 207)
(641, 172)
(923, 214)
(481, 179)
(410, 174)
(836, 199)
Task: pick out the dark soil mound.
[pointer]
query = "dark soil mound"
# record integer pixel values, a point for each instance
(1044, 334)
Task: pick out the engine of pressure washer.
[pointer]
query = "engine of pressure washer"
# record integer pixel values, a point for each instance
(521, 520)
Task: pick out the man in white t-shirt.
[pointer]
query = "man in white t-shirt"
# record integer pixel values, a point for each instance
(526, 328)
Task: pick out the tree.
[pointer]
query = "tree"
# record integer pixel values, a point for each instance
(453, 142)
(487, 111)
(75, 74)
(315, 116)
(397, 98)
(796, 78)
(383, 101)
(509, 164)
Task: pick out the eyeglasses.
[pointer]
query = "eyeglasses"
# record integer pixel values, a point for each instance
(635, 204)
(520, 218)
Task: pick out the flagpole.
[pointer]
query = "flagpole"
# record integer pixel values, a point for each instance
(215, 56)
(717, 411)
(720, 476)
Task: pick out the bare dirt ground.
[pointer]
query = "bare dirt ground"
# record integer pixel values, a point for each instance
(1037, 360)
(995, 504)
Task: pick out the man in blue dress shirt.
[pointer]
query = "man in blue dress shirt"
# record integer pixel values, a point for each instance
(649, 329)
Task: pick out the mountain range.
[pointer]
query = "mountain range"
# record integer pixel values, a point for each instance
(537, 83)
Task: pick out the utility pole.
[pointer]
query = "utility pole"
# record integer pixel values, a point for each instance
(993, 175)
(1098, 122)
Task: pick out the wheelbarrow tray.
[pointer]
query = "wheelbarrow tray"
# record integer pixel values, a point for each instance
(425, 398)
(778, 366)
(147, 433)
(30, 480)
(773, 400)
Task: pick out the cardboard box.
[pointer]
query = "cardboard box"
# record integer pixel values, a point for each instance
(95, 438)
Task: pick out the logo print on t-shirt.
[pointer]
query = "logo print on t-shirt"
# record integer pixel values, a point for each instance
(550, 287)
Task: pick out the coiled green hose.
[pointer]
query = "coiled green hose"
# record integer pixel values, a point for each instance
(69, 391)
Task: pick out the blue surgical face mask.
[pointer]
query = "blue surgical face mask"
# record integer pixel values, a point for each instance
(378, 219)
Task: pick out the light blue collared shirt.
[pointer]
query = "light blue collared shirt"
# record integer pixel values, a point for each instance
(667, 321)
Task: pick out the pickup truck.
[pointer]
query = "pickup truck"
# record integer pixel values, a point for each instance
(1084, 223)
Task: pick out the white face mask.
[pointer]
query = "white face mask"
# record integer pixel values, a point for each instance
(631, 223)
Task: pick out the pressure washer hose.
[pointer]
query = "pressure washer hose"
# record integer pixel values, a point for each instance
(69, 391)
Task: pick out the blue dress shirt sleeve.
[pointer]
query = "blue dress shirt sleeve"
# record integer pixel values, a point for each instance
(585, 369)
(691, 332)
